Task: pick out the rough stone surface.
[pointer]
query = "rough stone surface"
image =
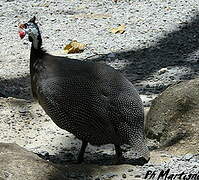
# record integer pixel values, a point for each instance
(20, 164)
(173, 117)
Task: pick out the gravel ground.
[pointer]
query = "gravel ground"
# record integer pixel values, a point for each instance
(160, 47)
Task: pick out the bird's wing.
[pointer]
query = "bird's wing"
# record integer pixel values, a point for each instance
(78, 103)
(129, 110)
(125, 101)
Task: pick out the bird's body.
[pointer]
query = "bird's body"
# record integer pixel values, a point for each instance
(87, 99)
(91, 100)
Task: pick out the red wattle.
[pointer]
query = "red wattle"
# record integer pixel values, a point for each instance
(22, 34)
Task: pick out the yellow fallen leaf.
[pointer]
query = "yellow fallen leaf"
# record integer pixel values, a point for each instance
(120, 29)
(74, 47)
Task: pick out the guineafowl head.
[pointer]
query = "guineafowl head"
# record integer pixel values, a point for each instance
(32, 30)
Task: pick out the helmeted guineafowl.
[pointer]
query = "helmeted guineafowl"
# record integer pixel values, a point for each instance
(91, 100)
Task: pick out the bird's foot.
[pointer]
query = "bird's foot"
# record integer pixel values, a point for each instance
(80, 160)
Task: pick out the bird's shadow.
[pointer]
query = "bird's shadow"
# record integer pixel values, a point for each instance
(18, 87)
(175, 49)
(97, 158)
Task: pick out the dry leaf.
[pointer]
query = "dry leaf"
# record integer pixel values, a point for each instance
(120, 29)
(74, 47)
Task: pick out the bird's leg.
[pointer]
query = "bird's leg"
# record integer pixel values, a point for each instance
(80, 157)
(118, 154)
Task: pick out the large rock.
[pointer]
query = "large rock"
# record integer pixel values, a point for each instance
(173, 117)
(20, 164)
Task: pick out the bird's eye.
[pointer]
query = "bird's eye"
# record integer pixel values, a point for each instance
(25, 25)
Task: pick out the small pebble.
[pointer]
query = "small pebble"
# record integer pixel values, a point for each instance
(162, 71)
(137, 176)
(97, 178)
(130, 170)
(23, 111)
(124, 176)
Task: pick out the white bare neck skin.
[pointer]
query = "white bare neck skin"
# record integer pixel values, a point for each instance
(34, 34)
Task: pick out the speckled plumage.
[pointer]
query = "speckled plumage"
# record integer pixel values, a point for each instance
(91, 100)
